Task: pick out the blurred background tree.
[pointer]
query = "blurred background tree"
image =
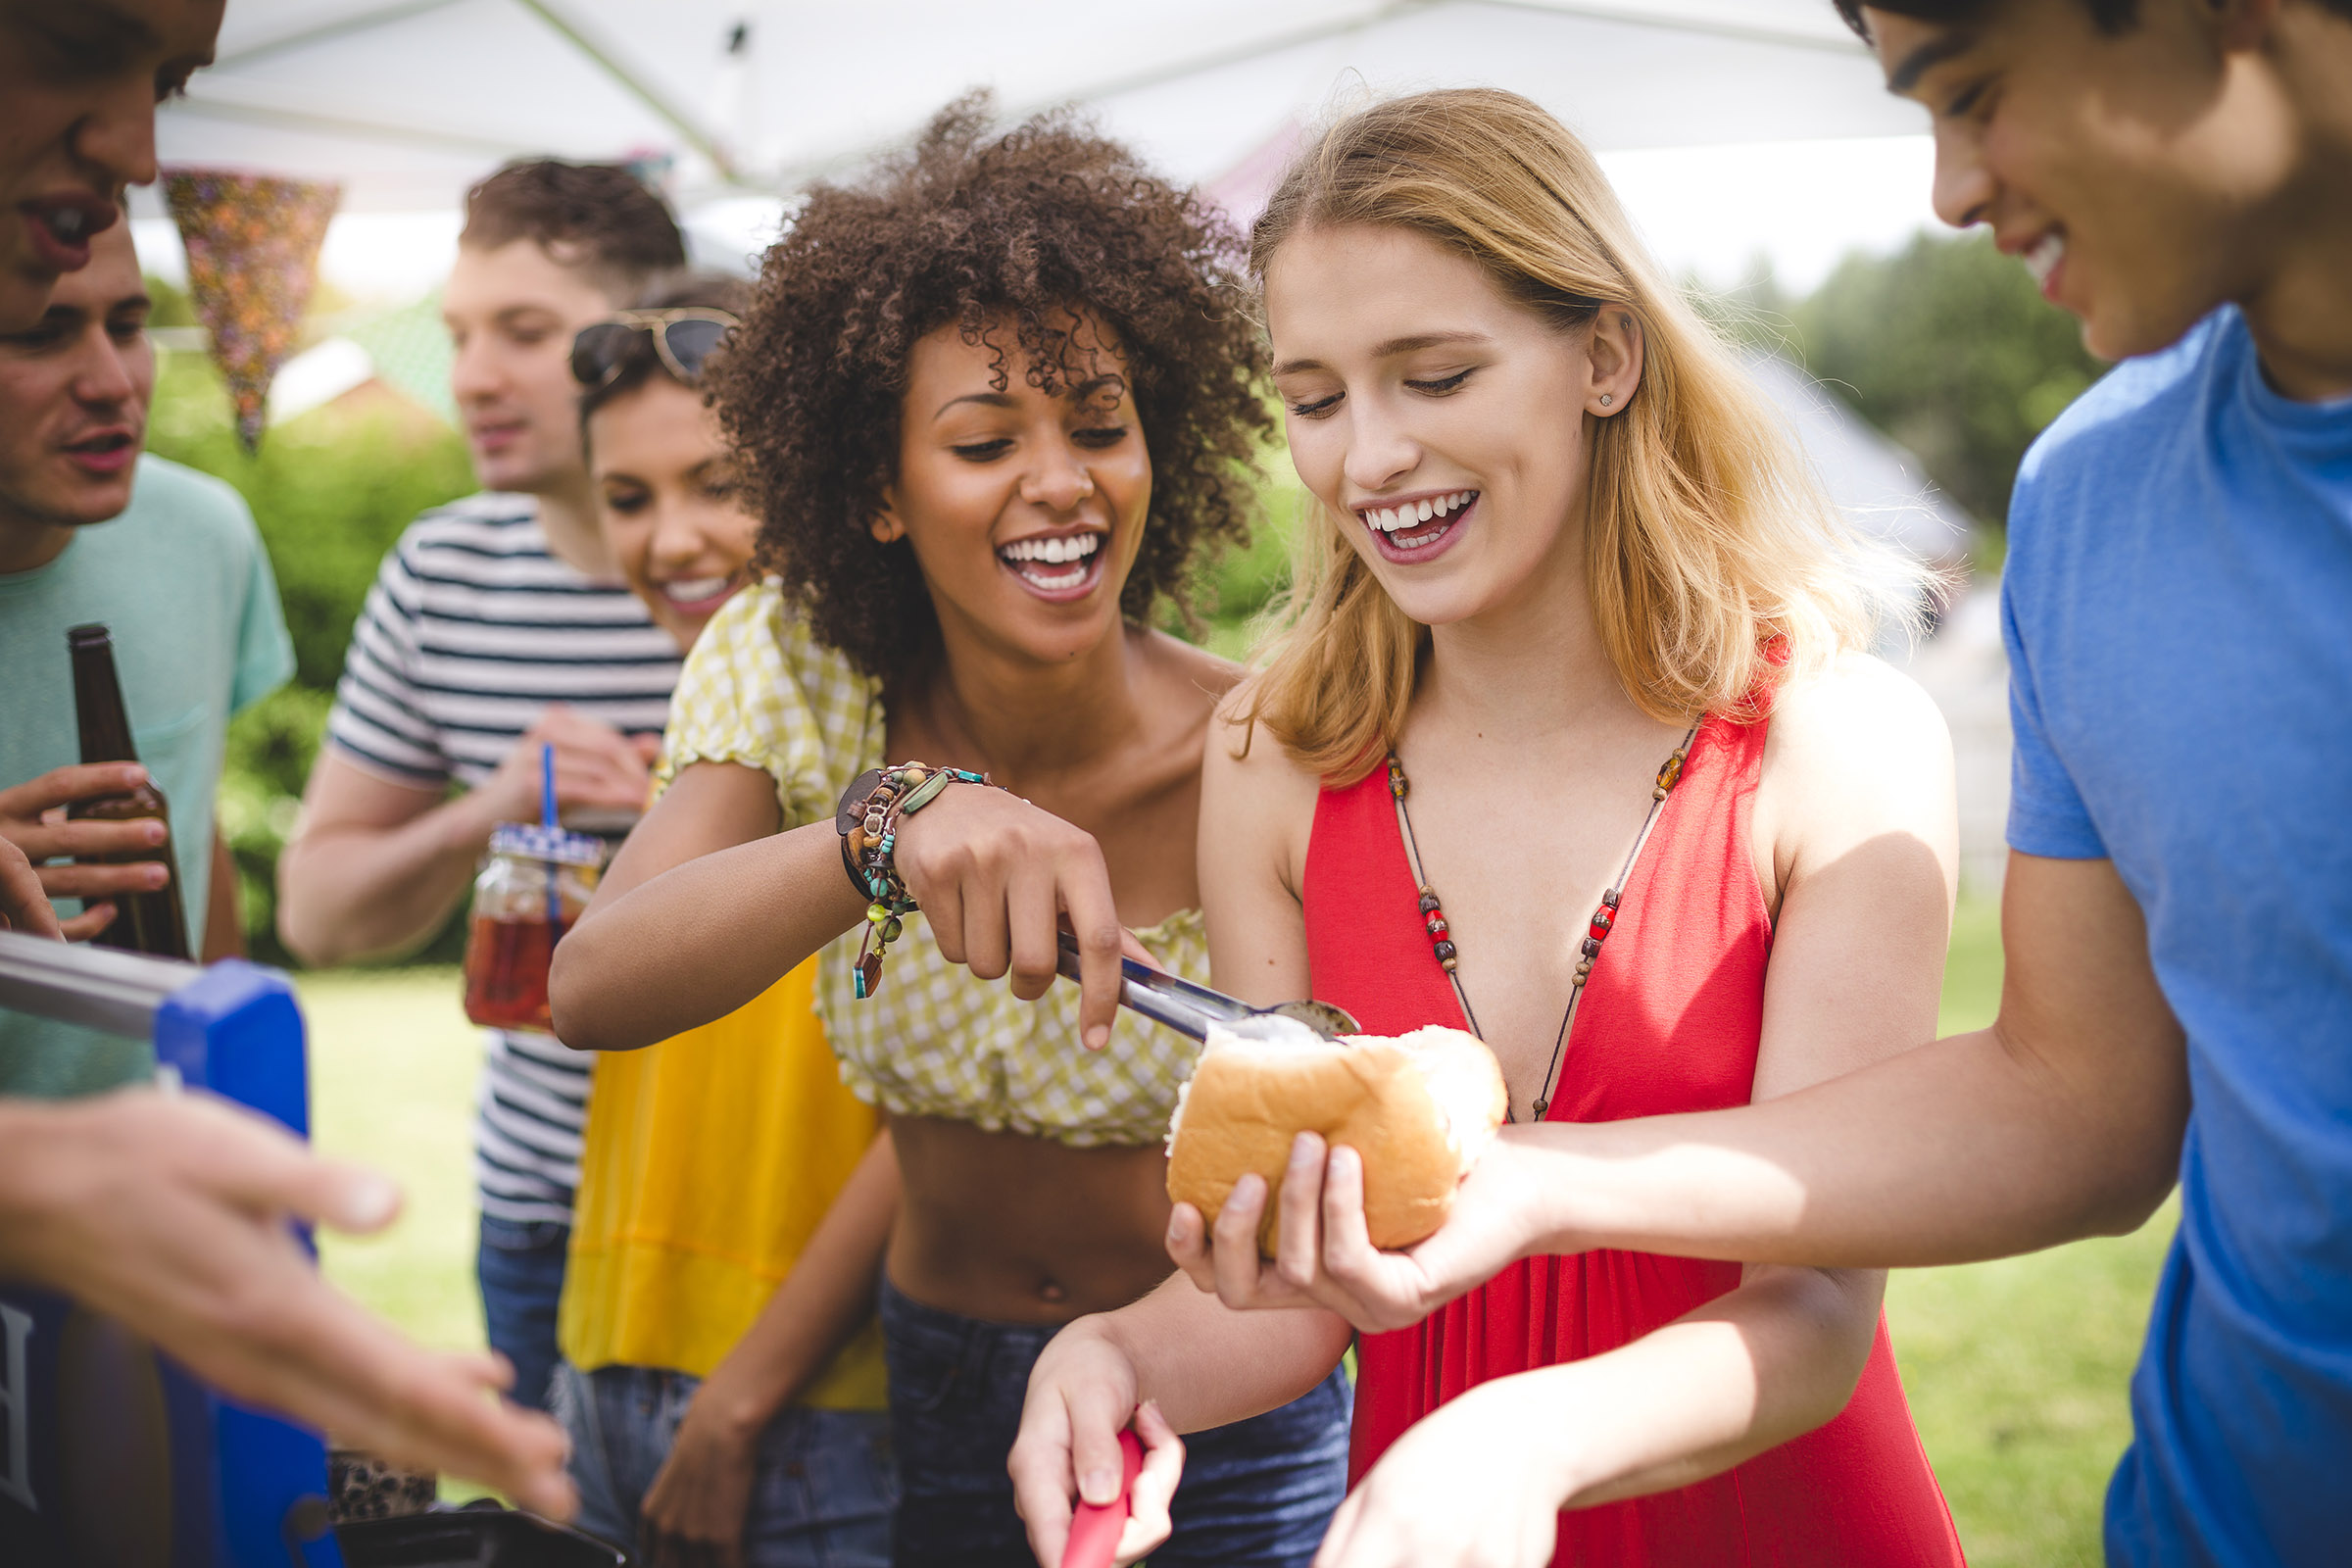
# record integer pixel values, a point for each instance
(331, 490)
(1945, 345)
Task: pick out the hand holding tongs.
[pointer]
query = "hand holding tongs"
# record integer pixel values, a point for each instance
(1190, 1010)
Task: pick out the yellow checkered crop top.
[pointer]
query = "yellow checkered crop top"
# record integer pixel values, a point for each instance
(935, 1041)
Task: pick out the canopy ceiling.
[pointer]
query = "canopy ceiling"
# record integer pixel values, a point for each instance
(408, 101)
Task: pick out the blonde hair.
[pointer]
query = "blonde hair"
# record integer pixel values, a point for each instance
(1716, 569)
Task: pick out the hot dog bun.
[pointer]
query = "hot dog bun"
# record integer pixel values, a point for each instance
(1419, 1108)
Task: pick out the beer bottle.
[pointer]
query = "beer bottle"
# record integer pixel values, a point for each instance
(144, 923)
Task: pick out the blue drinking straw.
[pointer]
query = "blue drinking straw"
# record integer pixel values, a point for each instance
(547, 816)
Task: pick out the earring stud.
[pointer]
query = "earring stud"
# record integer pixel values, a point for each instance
(1606, 399)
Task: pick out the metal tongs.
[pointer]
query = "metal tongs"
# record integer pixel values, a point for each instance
(1190, 1010)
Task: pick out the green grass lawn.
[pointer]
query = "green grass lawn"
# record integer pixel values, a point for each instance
(2017, 1370)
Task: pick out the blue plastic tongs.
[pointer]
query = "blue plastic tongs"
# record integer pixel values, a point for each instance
(1190, 1010)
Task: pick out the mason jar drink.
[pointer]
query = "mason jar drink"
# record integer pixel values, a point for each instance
(534, 885)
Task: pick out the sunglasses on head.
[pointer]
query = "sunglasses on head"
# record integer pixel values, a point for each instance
(683, 337)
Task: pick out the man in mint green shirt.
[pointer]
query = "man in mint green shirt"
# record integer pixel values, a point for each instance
(170, 561)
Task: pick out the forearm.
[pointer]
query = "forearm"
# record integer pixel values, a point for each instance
(735, 920)
(825, 1298)
(350, 893)
(1770, 1362)
(29, 1200)
(1206, 1366)
(1966, 1148)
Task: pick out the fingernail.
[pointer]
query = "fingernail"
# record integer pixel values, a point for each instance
(154, 832)
(1302, 1153)
(1099, 1486)
(1098, 1036)
(368, 1203)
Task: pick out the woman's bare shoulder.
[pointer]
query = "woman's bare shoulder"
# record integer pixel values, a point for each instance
(1257, 803)
(1855, 707)
(1191, 666)
(1856, 748)
(1241, 745)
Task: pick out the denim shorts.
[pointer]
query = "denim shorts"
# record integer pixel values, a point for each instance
(520, 1270)
(1258, 1494)
(822, 1494)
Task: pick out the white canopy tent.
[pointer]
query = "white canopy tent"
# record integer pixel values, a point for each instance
(405, 102)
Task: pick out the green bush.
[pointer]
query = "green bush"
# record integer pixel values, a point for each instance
(1949, 348)
(270, 746)
(332, 491)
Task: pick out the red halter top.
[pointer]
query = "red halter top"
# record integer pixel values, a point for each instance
(1670, 1021)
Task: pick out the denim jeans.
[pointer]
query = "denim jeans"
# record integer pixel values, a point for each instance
(522, 1272)
(821, 1496)
(1259, 1492)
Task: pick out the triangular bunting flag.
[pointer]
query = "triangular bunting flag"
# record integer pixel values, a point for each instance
(253, 254)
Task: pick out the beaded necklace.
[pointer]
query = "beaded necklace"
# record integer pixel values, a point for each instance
(1604, 919)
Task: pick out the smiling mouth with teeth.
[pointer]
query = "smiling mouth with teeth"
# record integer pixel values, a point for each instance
(1053, 563)
(1416, 524)
(2043, 259)
(696, 590)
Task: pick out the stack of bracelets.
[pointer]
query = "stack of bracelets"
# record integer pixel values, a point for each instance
(867, 820)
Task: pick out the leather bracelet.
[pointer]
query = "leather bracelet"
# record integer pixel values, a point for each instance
(849, 812)
(867, 817)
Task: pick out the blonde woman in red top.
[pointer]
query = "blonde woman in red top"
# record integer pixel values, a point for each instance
(1571, 742)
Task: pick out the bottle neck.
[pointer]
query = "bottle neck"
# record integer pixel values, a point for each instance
(98, 707)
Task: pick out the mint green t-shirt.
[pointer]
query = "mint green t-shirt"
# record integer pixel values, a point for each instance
(181, 580)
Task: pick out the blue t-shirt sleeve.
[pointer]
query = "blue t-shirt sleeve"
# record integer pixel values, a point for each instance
(2046, 814)
(265, 651)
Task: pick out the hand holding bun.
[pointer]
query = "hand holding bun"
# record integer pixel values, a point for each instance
(1419, 1108)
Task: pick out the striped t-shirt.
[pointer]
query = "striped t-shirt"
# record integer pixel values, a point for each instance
(471, 631)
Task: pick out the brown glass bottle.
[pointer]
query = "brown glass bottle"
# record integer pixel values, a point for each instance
(144, 923)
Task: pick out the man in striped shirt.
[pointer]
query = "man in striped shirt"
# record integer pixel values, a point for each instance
(498, 625)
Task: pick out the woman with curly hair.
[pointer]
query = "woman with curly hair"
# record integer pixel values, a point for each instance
(991, 405)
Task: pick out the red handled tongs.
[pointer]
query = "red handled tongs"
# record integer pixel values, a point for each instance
(1094, 1528)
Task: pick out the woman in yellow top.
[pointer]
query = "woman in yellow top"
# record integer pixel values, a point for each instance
(988, 405)
(712, 1416)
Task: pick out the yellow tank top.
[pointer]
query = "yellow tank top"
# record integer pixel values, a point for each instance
(708, 1162)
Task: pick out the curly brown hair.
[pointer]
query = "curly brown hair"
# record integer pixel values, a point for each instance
(972, 229)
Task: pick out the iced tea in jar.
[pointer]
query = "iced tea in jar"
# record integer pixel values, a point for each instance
(532, 888)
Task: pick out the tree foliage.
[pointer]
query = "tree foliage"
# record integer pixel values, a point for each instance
(1947, 346)
(332, 491)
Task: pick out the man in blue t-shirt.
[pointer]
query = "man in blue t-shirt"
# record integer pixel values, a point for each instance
(2178, 918)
